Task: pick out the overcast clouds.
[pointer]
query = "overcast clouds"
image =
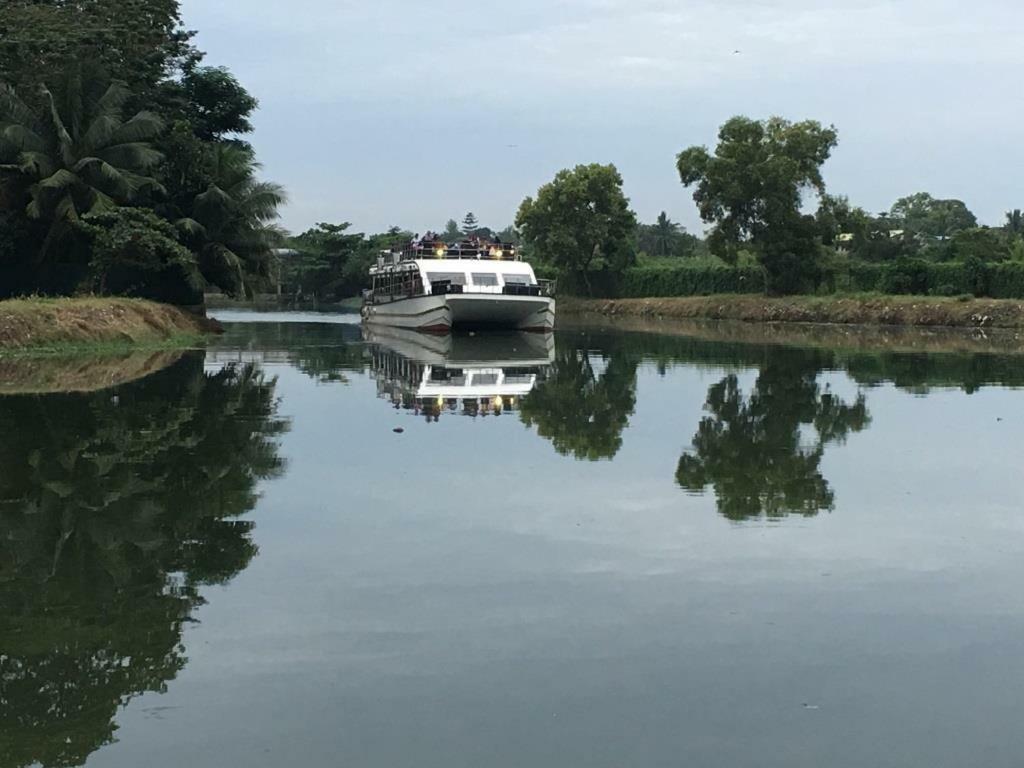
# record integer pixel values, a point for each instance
(400, 112)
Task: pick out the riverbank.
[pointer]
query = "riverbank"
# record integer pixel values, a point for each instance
(922, 311)
(40, 326)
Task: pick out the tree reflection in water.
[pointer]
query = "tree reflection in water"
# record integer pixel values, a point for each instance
(762, 452)
(115, 508)
(580, 410)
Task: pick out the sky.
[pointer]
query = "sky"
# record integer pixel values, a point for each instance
(394, 112)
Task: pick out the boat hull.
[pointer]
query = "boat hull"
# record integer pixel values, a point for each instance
(442, 313)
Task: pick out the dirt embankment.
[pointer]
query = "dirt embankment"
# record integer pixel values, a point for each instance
(28, 325)
(853, 310)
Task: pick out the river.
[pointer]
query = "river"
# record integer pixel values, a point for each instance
(609, 547)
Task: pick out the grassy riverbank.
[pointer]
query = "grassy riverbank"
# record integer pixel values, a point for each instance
(867, 309)
(39, 326)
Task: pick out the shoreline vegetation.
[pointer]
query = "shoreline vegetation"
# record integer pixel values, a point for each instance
(66, 326)
(851, 310)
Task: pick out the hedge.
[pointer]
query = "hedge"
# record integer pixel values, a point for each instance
(1003, 280)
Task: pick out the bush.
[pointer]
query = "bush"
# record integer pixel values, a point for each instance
(136, 253)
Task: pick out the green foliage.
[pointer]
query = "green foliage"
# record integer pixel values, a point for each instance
(76, 155)
(451, 233)
(580, 221)
(470, 224)
(690, 281)
(216, 103)
(139, 42)
(922, 214)
(751, 190)
(979, 243)
(136, 253)
(330, 264)
(666, 238)
(230, 224)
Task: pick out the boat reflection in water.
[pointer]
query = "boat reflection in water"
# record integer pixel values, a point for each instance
(472, 375)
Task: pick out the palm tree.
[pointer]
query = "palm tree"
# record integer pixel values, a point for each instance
(76, 154)
(1015, 221)
(230, 225)
(665, 234)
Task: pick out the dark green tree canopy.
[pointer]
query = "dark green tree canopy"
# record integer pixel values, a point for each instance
(76, 153)
(922, 214)
(216, 103)
(579, 220)
(139, 42)
(752, 188)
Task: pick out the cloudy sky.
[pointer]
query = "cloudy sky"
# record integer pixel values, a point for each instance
(385, 112)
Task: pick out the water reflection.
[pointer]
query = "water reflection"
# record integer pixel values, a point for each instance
(474, 376)
(115, 509)
(762, 452)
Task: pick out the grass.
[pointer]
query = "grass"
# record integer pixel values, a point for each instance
(857, 309)
(63, 326)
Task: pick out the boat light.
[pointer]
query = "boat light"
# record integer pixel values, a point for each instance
(496, 253)
(440, 252)
(498, 402)
(440, 402)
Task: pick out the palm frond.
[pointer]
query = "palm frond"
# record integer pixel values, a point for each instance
(139, 155)
(61, 179)
(190, 228)
(13, 110)
(113, 100)
(141, 127)
(64, 140)
(99, 133)
(20, 137)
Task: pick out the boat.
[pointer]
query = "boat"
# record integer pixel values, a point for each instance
(433, 286)
(458, 374)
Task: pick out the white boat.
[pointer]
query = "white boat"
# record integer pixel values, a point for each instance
(435, 287)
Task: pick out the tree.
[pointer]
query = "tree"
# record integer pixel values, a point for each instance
(216, 103)
(139, 42)
(78, 154)
(580, 220)
(751, 190)
(922, 214)
(469, 224)
(508, 235)
(1015, 222)
(230, 224)
(836, 217)
(452, 233)
(136, 253)
(981, 243)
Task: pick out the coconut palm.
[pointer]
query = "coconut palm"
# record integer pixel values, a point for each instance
(666, 232)
(76, 153)
(230, 225)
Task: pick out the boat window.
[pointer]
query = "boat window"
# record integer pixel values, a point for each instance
(485, 278)
(517, 280)
(455, 278)
(485, 379)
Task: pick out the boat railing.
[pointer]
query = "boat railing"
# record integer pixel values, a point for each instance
(476, 251)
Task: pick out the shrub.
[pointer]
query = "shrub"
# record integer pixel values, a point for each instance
(136, 253)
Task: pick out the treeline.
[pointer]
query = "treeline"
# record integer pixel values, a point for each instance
(752, 192)
(123, 165)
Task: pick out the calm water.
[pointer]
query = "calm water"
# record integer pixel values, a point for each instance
(602, 549)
